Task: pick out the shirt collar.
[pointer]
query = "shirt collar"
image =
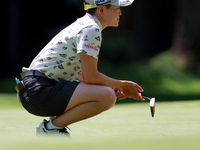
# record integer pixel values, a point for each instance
(95, 19)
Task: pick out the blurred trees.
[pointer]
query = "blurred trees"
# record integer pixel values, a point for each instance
(186, 41)
(146, 29)
(29, 25)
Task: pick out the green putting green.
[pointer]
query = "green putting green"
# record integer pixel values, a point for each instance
(176, 126)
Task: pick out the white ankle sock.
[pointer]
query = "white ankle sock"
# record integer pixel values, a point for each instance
(51, 126)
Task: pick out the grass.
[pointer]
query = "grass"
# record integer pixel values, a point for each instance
(176, 126)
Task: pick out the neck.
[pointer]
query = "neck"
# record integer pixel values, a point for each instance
(103, 24)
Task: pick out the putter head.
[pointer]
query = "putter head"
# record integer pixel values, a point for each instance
(152, 106)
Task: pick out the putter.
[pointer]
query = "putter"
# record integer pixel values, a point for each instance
(152, 106)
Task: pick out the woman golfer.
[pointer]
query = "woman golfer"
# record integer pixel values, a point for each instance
(50, 86)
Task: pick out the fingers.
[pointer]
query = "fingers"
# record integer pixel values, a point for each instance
(130, 90)
(139, 95)
(141, 98)
(139, 88)
(120, 94)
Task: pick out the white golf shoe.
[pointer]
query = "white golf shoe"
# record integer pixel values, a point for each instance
(42, 130)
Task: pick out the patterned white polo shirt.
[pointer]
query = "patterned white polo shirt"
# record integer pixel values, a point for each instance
(60, 58)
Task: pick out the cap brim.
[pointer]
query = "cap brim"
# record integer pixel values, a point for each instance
(123, 3)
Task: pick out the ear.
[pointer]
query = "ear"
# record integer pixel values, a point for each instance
(101, 9)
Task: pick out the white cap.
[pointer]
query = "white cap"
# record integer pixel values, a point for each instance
(89, 4)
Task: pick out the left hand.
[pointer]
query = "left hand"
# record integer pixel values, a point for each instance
(120, 93)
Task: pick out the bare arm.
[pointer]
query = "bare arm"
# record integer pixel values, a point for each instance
(91, 75)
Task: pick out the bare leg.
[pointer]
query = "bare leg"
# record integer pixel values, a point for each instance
(87, 101)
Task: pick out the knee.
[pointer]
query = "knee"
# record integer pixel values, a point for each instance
(109, 98)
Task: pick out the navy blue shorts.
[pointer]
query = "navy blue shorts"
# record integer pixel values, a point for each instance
(46, 97)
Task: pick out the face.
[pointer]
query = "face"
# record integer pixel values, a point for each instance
(112, 15)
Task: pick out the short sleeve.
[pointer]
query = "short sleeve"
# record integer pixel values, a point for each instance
(89, 41)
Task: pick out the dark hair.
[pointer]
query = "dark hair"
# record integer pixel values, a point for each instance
(92, 11)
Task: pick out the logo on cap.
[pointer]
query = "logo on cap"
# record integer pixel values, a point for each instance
(99, 1)
(124, 2)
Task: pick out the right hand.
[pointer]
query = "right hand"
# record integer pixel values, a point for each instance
(131, 90)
